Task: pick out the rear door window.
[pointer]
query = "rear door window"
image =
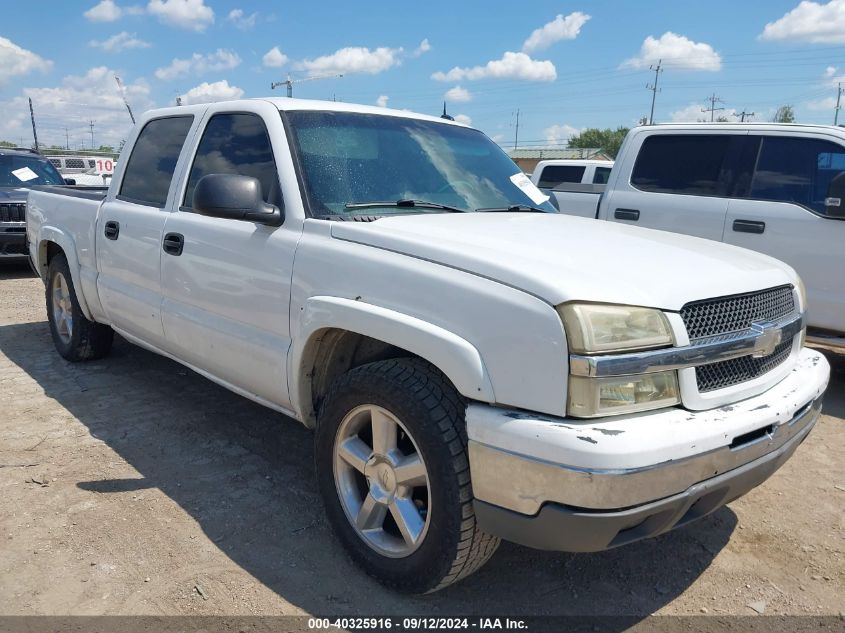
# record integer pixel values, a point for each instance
(797, 170)
(682, 164)
(553, 175)
(153, 161)
(601, 175)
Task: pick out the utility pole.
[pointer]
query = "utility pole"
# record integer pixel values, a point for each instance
(289, 82)
(516, 134)
(91, 125)
(744, 114)
(32, 118)
(838, 99)
(653, 87)
(123, 95)
(67, 140)
(713, 99)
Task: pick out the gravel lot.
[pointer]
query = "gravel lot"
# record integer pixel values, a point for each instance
(134, 486)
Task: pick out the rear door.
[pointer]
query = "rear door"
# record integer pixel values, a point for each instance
(130, 228)
(781, 211)
(227, 293)
(679, 182)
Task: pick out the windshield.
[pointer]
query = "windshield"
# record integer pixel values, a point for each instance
(351, 159)
(26, 171)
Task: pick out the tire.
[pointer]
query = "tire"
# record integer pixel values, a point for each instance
(437, 541)
(75, 337)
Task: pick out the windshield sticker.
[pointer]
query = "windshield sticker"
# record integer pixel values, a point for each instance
(24, 174)
(529, 188)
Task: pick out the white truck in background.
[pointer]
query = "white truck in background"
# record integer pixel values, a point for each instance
(475, 365)
(572, 177)
(774, 188)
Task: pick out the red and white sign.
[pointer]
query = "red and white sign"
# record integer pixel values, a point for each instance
(104, 166)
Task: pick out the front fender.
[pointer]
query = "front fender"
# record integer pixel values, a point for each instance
(458, 359)
(65, 242)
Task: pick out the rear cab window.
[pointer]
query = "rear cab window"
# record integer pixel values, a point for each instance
(149, 171)
(554, 175)
(601, 175)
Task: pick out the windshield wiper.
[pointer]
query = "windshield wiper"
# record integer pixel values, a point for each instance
(416, 204)
(515, 208)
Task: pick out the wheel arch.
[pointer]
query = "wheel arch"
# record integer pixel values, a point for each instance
(340, 334)
(53, 241)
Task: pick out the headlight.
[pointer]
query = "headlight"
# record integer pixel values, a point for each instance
(592, 397)
(802, 295)
(595, 327)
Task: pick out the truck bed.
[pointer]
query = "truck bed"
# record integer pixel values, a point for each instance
(76, 191)
(577, 199)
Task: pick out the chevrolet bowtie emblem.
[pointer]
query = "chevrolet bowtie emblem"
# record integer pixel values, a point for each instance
(768, 338)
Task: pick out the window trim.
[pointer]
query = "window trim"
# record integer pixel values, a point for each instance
(146, 203)
(727, 196)
(201, 133)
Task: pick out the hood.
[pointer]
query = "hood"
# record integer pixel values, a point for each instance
(561, 258)
(13, 194)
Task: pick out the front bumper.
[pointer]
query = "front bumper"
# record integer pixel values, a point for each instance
(13, 244)
(586, 485)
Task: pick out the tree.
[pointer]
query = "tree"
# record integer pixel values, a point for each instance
(785, 114)
(608, 140)
(7, 144)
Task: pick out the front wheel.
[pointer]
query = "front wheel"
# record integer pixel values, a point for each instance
(76, 338)
(393, 471)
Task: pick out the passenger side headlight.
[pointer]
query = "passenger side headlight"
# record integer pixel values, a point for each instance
(593, 397)
(596, 327)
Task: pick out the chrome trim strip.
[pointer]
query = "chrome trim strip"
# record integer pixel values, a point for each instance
(760, 340)
(522, 483)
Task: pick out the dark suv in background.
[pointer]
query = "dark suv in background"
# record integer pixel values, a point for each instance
(20, 169)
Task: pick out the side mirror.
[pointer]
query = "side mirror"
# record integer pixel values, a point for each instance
(834, 202)
(70, 181)
(235, 197)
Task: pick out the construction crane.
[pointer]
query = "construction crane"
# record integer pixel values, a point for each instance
(123, 96)
(289, 82)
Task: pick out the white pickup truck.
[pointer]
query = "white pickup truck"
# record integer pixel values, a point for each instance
(571, 177)
(775, 188)
(475, 365)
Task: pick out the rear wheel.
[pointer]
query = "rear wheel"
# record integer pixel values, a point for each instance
(394, 475)
(75, 337)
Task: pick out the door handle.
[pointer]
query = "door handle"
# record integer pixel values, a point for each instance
(173, 244)
(627, 214)
(749, 226)
(111, 230)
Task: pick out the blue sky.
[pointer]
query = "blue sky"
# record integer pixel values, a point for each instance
(564, 65)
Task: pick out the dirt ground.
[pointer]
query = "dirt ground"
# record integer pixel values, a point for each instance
(134, 486)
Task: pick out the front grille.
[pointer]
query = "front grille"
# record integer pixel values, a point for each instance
(727, 315)
(13, 212)
(731, 372)
(714, 317)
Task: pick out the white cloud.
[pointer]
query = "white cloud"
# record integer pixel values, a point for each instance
(557, 134)
(676, 51)
(561, 28)
(354, 59)
(424, 47)
(105, 11)
(120, 42)
(518, 66)
(458, 94)
(382, 101)
(185, 14)
(810, 22)
(242, 21)
(828, 103)
(210, 92)
(15, 60)
(72, 104)
(198, 64)
(274, 58)
(463, 118)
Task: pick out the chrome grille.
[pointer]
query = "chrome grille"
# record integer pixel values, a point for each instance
(731, 372)
(714, 317)
(14, 212)
(726, 315)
